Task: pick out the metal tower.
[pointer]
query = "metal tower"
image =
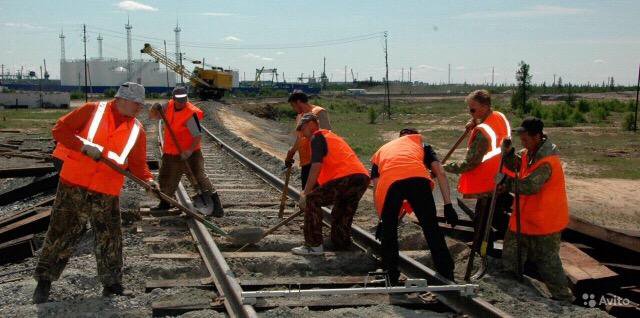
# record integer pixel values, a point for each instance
(100, 38)
(62, 53)
(177, 31)
(128, 28)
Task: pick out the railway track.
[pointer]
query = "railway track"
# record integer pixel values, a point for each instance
(250, 195)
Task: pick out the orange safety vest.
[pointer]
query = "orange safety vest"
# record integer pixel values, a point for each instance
(178, 122)
(115, 143)
(481, 179)
(547, 211)
(304, 145)
(340, 161)
(399, 159)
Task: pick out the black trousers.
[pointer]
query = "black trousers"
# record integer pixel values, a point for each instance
(500, 217)
(418, 192)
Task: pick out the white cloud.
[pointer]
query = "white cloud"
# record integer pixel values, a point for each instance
(429, 67)
(257, 57)
(279, 53)
(231, 38)
(26, 26)
(598, 61)
(534, 11)
(135, 6)
(217, 14)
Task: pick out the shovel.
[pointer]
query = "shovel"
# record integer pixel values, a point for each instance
(240, 236)
(201, 202)
(285, 189)
(271, 230)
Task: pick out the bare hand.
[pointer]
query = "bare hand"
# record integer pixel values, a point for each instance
(303, 201)
(470, 124)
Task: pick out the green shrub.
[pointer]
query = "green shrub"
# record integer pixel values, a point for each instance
(560, 112)
(577, 117)
(583, 106)
(76, 95)
(599, 113)
(628, 122)
(109, 92)
(372, 115)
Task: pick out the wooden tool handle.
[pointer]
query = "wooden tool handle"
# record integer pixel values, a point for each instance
(455, 146)
(273, 229)
(285, 190)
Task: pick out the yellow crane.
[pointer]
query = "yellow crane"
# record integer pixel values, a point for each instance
(206, 83)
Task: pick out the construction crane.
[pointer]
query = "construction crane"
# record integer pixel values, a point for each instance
(207, 84)
(260, 71)
(353, 78)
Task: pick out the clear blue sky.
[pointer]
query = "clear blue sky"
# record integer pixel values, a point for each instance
(578, 40)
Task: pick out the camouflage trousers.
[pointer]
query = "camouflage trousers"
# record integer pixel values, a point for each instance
(544, 252)
(344, 193)
(173, 168)
(72, 208)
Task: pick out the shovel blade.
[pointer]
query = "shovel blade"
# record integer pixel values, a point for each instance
(203, 203)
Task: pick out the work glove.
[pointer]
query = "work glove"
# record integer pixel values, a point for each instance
(379, 231)
(92, 151)
(289, 162)
(506, 146)
(303, 201)
(186, 154)
(451, 215)
(153, 188)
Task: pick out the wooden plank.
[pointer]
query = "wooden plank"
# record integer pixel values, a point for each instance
(176, 256)
(256, 204)
(200, 283)
(26, 172)
(620, 238)
(20, 214)
(172, 308)
(40, 184)
(241, 190)
(582, 270)
(33, 224)
(17, 249)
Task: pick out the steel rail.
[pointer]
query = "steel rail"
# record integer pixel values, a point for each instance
(473, 306)
(226, 283)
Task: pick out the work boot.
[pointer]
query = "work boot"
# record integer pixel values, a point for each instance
(162, 206)
(41, 294)
(305, 250)
(116, 289)
(217, 205)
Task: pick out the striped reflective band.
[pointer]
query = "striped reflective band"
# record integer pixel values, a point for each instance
(93, 128)
(495, 149)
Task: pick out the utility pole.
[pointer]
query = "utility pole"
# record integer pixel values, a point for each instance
(84, 39)
(2, 73)
(181, 68)
(554, 80)
(40, 82)
(345, 75)
(493, 72)
(386, 62)
(449, 78)
(166, 67)
(635, 119)
(402, 82)
(410, 81)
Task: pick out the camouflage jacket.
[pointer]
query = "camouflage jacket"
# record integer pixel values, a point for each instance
(476, 151)
(534, 181)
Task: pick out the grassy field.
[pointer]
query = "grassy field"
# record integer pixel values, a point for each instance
(38, 121)
(601, 150)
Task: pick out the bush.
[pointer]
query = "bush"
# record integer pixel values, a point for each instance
(372, 115)
(109, 92)
(577, 117)
(628, 122)
(583, 106)
(599, 113)
(77, 95)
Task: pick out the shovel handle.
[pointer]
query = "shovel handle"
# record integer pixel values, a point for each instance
(285, 190)
(273, 229)
(455, 146)
(163, 196)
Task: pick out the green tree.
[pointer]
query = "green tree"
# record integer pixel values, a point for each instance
(523, 89)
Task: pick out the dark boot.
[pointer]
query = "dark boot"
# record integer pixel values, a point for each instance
(116, 289)
(217, 205)
(162, 206)
(41, 294)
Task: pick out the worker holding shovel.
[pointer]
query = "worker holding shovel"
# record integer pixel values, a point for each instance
(543, 210)
(89, 190)
(182, 151)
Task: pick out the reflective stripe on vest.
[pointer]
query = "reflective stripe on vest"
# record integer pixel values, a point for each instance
(481, 179)
(93, 128)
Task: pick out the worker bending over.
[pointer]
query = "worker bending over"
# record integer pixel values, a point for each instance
(299, 101)
(544, 211)
(89, 190)
(401, 170)
(341, 181)
(184, 119)
(481, 163)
